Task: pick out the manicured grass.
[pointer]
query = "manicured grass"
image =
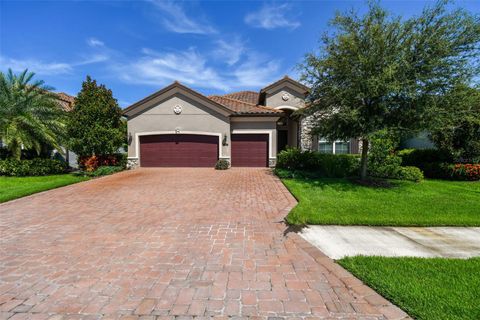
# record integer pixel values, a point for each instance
(16, 187)
(424, 288)
(428, 203)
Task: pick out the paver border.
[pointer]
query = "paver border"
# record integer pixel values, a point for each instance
(384, 306)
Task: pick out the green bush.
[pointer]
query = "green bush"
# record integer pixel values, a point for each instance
(100, 171)
(121, 160)
(410, 173)
(222, 164)
(382, 160)
(385, 163)
(34, 167)
(421, 157)
(318, 164)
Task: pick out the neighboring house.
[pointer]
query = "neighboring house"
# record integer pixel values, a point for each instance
(419, 141)
(178, 126)
(67, 103)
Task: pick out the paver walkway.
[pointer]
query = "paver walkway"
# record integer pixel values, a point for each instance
(154, 243)
(342, 241)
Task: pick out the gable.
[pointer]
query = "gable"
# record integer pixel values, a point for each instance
(285, 96)
(285, 82)
(156, 102)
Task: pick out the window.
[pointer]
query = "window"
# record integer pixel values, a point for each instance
(341, 147)
(325, 147)
(337, 147)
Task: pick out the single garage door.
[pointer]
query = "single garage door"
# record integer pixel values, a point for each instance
(178, 150)
(250, 150)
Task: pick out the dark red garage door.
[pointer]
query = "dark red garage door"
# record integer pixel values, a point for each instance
(250, 150)
(178, 150)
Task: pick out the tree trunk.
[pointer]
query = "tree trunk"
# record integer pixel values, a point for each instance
(364, 161)
(16, 151)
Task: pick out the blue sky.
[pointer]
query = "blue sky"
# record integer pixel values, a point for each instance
(137, 47)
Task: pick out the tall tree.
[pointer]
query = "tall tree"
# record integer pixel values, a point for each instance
(379, 71)
(95, 126)
(457, 127)
(30, 115)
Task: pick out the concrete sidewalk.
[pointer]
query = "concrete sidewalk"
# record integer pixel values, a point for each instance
(341, 241)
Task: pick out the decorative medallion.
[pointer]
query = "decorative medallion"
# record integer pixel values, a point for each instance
(177, 109)
(285, 97)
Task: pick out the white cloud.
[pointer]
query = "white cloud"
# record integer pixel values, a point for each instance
(99, 53)
(193, 68)
(93, 42)
(256, 71)
(229, 51)
(175, 19)
(160, 68)
(94, 58)
(39, 67)
(271, 17)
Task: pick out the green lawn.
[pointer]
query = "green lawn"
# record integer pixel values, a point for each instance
(16, 187)
(428, 203)
(425, 288)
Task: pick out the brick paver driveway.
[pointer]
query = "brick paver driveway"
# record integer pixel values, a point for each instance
(170, 242)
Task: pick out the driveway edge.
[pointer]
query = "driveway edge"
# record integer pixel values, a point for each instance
(352, 283)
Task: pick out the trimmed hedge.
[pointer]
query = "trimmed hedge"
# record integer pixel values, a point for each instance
(34, 167)
(295, 163)
(437, 164)
(420, 157)
(320, 164)
(399, 173)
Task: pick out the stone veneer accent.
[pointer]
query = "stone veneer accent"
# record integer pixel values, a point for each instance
(132, 163)
(272, 162)
(306, 139)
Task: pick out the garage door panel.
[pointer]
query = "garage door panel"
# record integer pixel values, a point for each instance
(250, 150)
(178, 150)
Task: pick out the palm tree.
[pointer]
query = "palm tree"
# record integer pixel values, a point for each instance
(30, 115)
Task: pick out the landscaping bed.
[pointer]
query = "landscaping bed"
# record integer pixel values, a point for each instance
(341, 201)
(17, 187)
(432, 288)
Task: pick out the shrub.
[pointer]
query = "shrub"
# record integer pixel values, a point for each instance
(461, 171)
(318, 164)
(100, 171)
(34, 167)
(410, 173)
(383, 162)
(421, 157)
(295, 159)
(106, 170)
(91, 163)
(222, 164)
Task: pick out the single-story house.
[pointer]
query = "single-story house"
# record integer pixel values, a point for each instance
(179, 127)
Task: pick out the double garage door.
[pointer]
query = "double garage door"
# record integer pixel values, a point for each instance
(189, 150)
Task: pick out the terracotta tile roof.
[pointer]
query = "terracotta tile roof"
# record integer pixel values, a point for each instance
(245, 96)
(241, 107)
(65, 100)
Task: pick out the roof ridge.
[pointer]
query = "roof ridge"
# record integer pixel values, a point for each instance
(251, 104)
(226, 94)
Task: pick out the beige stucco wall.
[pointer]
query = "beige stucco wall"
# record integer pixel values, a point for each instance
(274, 99)
(194, 117)
(239, 125)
